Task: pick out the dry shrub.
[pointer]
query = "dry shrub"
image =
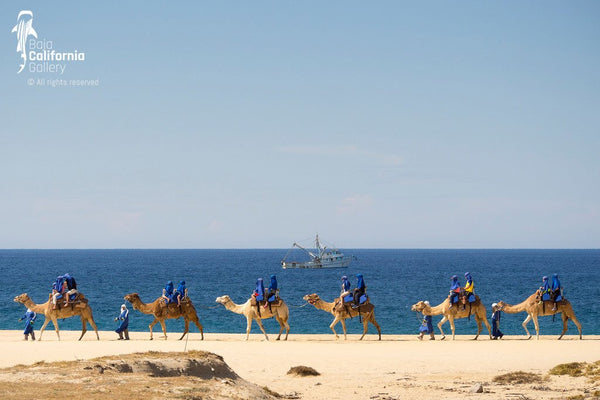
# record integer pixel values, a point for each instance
(589, 370)
(571, 369)
(518, 377)
(301, 370)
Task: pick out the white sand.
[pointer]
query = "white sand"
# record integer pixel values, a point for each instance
(399, 366)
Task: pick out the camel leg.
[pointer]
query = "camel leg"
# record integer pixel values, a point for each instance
(55, 323)
(365, 328)
(83, 328)
(564, 320)
(372, 320)
(287, 329)
(186, 328)
(200, 328)
(43, 328)
(150, 327)
(248, 326)
(524, 324)
(262, 328)
(93, 324)
(577, 324)
(487, 325)
(281, 325)
(442, 322)
(343, 322)
(479, 327)
(164, 328)
(452, 327)
(335, 321)
(537, 326)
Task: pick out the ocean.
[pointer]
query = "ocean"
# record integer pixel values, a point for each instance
(396, 278)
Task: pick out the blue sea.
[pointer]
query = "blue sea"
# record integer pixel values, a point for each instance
(395, 279)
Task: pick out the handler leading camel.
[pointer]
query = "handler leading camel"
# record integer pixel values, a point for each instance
(366, 311)
(251, 312)
(83, 310)
(451, 313)
(161, 313)
(534, 309)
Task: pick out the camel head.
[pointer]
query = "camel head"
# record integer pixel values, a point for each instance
(223, 299)
(501, 305)
(419, 307)
(22, 298)
(133, 298)
(311, 298)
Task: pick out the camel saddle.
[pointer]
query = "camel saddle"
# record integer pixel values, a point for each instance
(347, 305)
(78, 302)
(264, 303)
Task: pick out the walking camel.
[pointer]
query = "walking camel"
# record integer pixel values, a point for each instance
(366, 311)
(534, 309)
(162, 313)
(477, 309)
(82, 309)
(280, 312)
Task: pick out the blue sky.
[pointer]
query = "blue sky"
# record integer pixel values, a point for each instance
(249, 125)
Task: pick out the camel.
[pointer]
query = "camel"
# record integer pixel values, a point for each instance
(534, 309)
(82, 309)
(366, 311)
(477, 309)
(158, 309)
(281, 314)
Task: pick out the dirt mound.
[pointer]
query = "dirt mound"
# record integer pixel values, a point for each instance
(152, 375)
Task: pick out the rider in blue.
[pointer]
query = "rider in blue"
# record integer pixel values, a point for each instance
(29, 318)
(124, 325)
(168, 293)
(556, 290)
(454, 289)
(345, 289)
(71, 286)
(272, 292)
(361, 289)
(180, 293)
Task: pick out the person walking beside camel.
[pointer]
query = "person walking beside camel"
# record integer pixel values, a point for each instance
(496, 313)
(426, 326)
(29, 318)
(123, 327)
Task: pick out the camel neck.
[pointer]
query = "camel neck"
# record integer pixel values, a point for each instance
(37, 308)
(517, 308)
(323, 305)
(236, 308)
(436, 310)
(143, 307)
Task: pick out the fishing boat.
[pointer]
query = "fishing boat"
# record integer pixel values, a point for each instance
(321, 257)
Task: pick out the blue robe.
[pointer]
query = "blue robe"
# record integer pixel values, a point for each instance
(169, 292)
(273, 284)
(124, 318)
(180, 290)
(345, 284)
(360, 284)
(29, 317)
(555, 282)
(427, 325)
(496, 323)
(260, 290)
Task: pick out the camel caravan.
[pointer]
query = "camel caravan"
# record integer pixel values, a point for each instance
(66, 301)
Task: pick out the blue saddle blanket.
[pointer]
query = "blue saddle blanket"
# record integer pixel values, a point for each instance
(362, 299)
(271, 299)
(348, 299)
(471, 298)
(545, 297)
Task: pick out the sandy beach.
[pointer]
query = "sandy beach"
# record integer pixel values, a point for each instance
(398, 366)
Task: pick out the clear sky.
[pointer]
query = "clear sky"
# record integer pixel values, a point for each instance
(256, 124)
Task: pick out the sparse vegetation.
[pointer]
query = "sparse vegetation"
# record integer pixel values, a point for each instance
(589, 370)
(518, 377)
(302, 370)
